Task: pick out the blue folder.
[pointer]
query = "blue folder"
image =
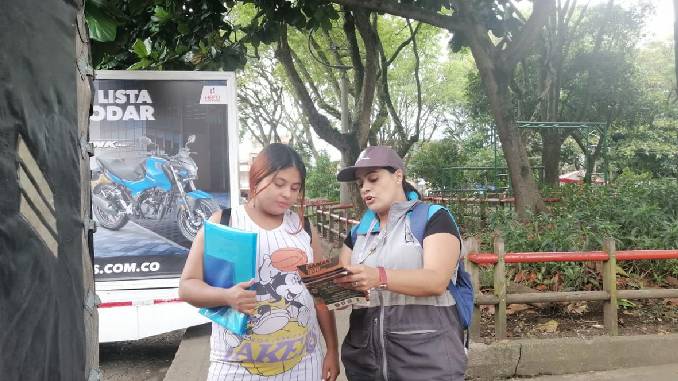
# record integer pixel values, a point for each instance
(230, 258)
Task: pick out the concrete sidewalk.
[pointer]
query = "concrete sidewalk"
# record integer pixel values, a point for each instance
(655, 373)
(534, 357)
(648, 357)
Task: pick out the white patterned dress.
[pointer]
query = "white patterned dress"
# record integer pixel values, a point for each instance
(282, 341)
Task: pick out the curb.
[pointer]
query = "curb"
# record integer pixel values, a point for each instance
(191, 362)
(520, 358)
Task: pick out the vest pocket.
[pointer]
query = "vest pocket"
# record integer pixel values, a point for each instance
(359, 329)
(356, 352)
(425, 347)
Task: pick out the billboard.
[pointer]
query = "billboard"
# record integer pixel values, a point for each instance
(165, 159)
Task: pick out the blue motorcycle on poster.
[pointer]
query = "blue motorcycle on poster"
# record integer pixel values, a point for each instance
(147, 185)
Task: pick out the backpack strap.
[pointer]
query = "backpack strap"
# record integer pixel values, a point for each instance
(225, 216)
(364, 225)
(419, 216)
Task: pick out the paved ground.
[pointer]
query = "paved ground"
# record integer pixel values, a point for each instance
(141, 360)
(653, 373)
(150, 359)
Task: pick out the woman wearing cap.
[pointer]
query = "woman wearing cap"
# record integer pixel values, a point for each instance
(409, 329)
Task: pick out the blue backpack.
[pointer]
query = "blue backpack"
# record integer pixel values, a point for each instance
(461, 288)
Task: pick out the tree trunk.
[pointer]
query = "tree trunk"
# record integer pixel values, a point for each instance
(84, 101)
(496, 83)
(348, 192)
(550, 156)
(525, 188)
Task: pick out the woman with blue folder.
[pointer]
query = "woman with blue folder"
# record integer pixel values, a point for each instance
(282, 339)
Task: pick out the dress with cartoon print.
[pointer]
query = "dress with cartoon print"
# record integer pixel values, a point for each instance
(283, 332)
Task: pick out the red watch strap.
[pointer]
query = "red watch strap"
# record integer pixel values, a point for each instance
(383, 281)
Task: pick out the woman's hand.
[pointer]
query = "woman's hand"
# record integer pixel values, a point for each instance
(240, 298)
(330, 365)
(361, 278)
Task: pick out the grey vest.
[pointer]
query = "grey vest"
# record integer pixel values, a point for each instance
(396, 336)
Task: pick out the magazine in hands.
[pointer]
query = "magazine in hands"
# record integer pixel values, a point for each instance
(319, 280)
(230, 258)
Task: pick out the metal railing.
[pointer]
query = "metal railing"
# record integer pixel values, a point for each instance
(609, 295)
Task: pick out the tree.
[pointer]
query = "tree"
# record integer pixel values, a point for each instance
(494, 30)
(261, 98)
(675, 39)
(498, 37)
(431, 161)
(321, 181)
(163, 35)
(340, 77)
(583, 68)
(647, 141)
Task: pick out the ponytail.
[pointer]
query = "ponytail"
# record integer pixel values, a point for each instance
(407, 187)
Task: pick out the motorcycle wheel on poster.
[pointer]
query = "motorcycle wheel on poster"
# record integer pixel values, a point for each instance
(202, 211)
(108, 212)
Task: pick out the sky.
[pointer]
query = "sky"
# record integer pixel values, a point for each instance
(660, 26)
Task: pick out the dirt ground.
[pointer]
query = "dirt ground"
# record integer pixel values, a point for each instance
(584, 319)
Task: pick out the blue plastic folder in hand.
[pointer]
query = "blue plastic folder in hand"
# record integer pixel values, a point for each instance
(230, 258)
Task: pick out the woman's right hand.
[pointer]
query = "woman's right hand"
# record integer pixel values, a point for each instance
(241, 299)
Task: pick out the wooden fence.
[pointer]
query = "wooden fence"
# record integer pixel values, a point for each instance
(609, 295)
(335, 220)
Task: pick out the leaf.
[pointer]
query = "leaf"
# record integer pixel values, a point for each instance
(101, 27)
(621, 271)
(514, 308)
(673, 301)
(550, 326)
(139, 48)
(577, 308)
(160, 15)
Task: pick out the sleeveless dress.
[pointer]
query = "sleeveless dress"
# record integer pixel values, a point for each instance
(282, 341)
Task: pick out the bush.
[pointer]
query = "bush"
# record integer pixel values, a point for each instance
(637, 211)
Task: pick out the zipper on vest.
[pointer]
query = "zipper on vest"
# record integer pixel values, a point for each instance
(384, 361)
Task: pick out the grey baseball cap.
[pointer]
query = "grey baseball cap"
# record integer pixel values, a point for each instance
(372, 157)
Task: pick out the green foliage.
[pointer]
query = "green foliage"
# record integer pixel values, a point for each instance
(430, 160)
(321, 179)
(649, 141)
(162, 35)
(102, 27)
(637, 211)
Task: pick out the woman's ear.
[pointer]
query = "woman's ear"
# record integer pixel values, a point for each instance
(399, 175)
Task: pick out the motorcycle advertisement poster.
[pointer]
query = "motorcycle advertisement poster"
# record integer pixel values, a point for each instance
(165, 159)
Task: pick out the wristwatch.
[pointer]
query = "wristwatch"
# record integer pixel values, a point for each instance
(383, 281)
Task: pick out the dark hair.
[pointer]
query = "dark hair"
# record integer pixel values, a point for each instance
(276, 157)
(407, 187)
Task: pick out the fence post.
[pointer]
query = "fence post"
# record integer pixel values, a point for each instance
(483, 211)
(321, 221)
(610, 285)
(500, 289)
(330, 224)
(474, 270)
